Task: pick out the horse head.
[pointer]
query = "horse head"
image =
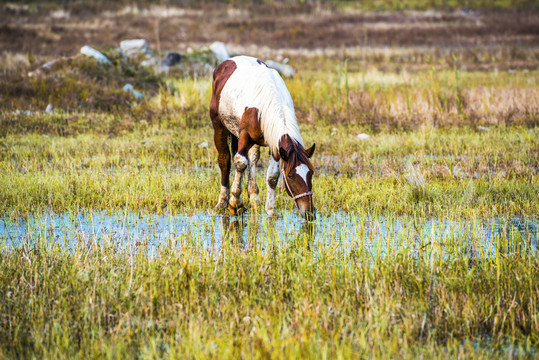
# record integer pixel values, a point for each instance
(297, 171)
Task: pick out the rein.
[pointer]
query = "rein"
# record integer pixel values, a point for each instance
(290, 191)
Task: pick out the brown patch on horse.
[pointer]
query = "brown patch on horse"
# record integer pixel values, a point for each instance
(221, 134)
(220, 76)
(295, 154)
(250, 124)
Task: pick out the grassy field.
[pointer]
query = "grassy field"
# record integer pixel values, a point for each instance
(453, 135)
(113, 301)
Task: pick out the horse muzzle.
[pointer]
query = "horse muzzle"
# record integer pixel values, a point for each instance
(306, 208)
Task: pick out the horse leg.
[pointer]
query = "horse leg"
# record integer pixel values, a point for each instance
(254, 156)
(220, 137)
(272, 179)
(235, 204)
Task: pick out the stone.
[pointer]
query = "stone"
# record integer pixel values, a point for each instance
(171, 59)
(220, 51)
(283, 69)
(91, 52)
(129, 88)
(150, 61)
(134, 47)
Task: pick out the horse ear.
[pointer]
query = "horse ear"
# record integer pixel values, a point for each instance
(283, 154)
(310, 151)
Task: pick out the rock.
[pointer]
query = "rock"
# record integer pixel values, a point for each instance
(171, 59)
(60, 14)
(203, 145)
(49, 108)
(283, 69)
(362, 136)
(49, 65)
(482, 128)
(220, 51)
(135, 47)
(129, 88)
(88, 51)
(25, 112)
(151, 61)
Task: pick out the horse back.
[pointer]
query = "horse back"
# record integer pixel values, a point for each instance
(245, 82)
(221, 74)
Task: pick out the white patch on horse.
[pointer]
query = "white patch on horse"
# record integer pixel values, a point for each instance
(302, 170)
(231, 123)
(254, 85)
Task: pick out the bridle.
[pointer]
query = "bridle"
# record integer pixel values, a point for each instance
(285, 182)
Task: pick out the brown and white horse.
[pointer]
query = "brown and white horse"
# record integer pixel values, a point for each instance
(251, 105)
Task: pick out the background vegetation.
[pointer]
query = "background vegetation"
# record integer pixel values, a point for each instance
(376, 5)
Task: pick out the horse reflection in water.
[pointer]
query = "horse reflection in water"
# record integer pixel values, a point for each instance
(233, 230)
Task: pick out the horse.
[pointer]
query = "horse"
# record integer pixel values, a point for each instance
(251, 105)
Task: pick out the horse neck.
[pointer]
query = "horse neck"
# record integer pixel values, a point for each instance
(277, 125)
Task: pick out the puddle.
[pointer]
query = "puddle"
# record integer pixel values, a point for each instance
(338, 231)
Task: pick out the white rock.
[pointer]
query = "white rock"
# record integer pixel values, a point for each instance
(283, 69)
(134, 47)
(49, 64)
(203, 145)
(482, 128)
(49, 108)
(129, 88)
(60, 14)
(362, 136)
(25, 112)
(220, 50)
(151, 61)
(88, 51)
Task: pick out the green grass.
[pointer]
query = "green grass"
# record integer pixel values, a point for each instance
(465, 172)
(113, 300)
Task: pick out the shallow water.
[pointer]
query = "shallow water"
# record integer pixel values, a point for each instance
(339, 231)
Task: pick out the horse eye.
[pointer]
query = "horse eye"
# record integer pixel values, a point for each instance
(290, 176)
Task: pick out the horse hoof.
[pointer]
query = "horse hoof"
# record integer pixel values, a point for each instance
(236, 211)
(221, 205)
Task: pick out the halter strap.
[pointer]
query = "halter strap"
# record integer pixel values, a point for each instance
(285, 182)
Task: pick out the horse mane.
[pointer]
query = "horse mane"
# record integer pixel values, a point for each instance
(272, 98)
(297, 154)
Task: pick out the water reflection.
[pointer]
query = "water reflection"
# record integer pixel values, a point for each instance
(233, 229)
(245, 231)
(378, 236)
